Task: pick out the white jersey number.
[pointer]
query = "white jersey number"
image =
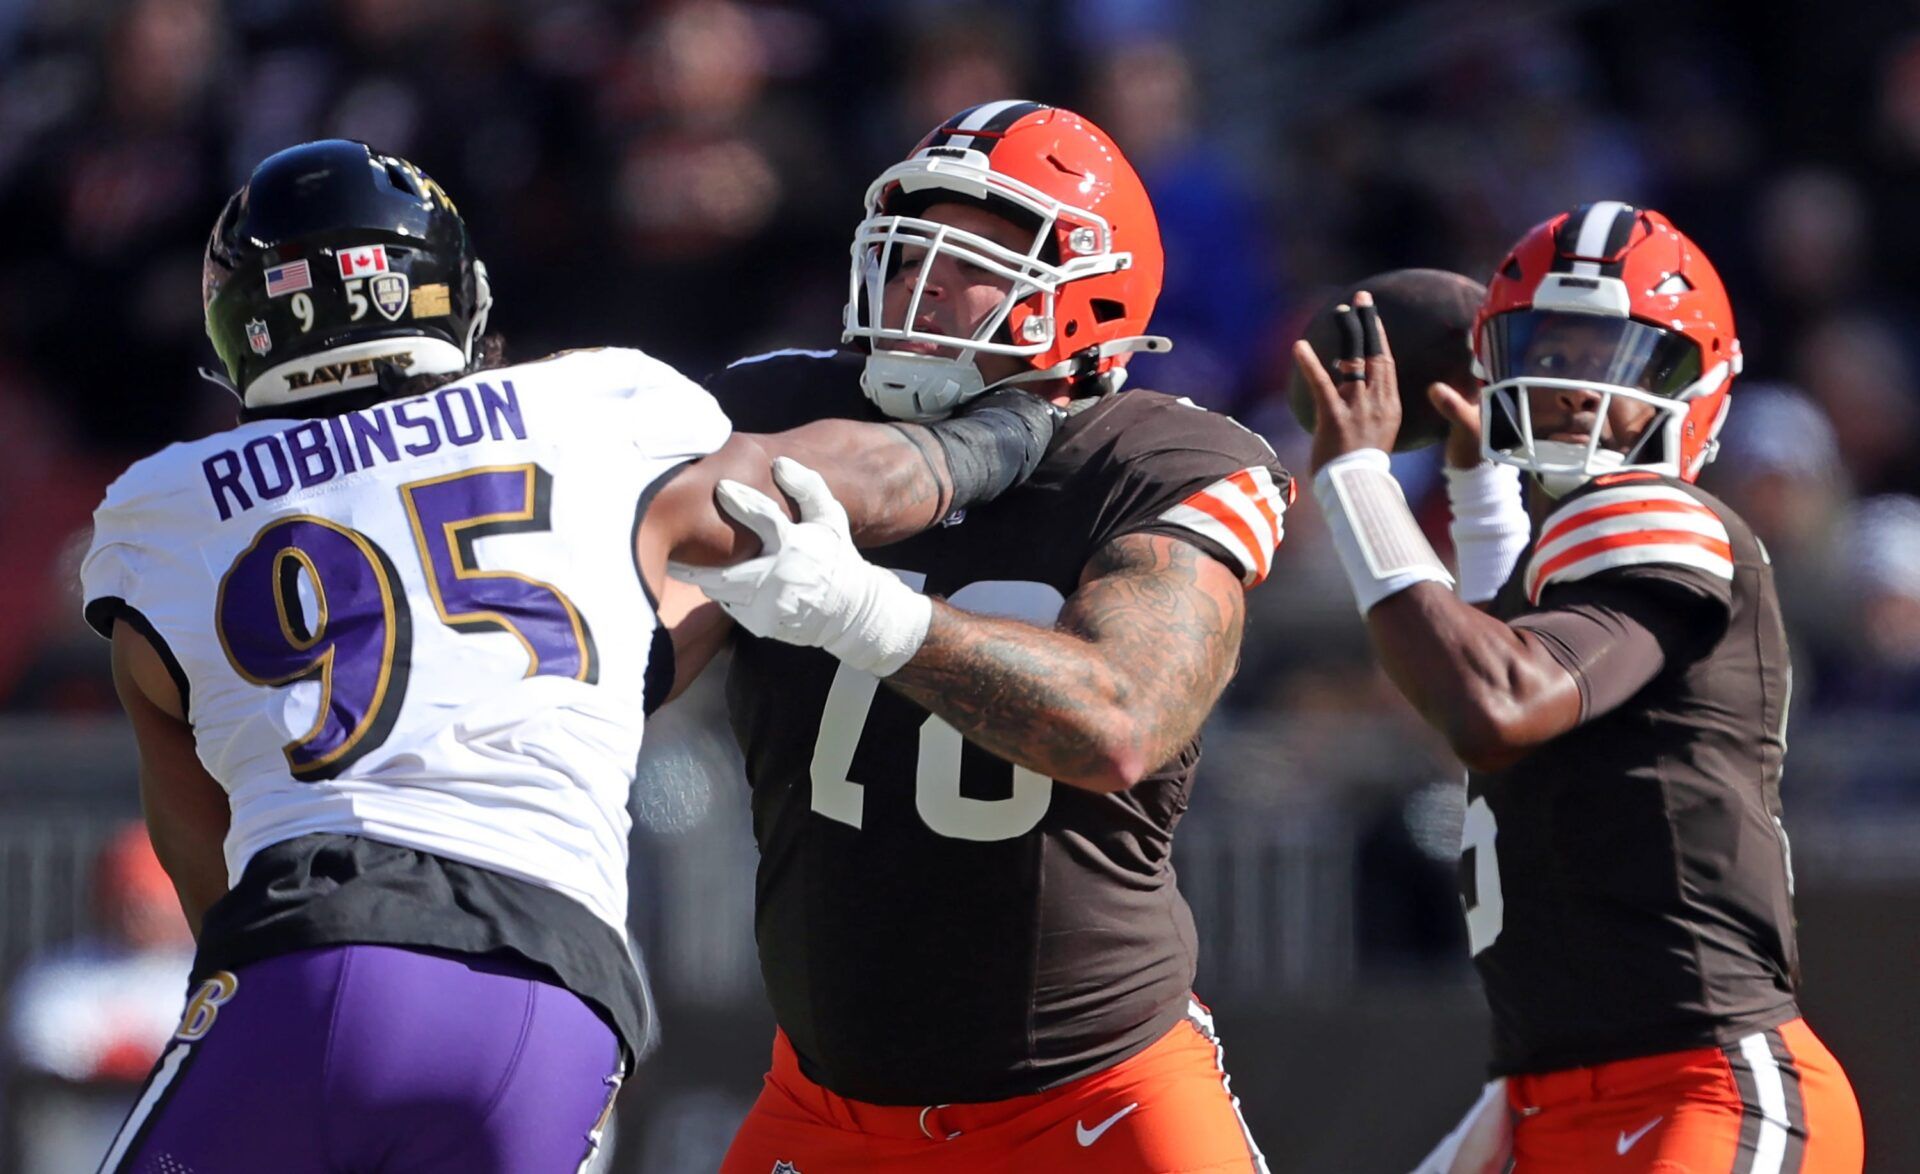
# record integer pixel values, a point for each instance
(936, 792)
(1484, 912)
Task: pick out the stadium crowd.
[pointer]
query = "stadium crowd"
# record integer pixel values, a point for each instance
(683, 176)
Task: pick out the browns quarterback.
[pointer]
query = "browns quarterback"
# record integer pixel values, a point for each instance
(967, 916)
(1621, 703)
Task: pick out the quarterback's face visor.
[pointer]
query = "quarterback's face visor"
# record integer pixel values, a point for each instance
(1595, 349)
(1572, 395)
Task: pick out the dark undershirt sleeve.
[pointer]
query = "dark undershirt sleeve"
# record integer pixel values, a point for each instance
(1615, 639)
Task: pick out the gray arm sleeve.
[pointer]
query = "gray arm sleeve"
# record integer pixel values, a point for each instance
(995, 443)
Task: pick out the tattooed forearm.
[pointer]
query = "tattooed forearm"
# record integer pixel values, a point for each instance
(892, 479)
(1140, 654)
(913, 484)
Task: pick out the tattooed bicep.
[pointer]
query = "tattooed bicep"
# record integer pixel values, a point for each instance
(1166, 603)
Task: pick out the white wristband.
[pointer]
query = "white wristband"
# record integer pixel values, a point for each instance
(1380, 546)
(1490, 526)
(884, 623)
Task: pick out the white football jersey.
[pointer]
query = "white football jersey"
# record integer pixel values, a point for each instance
(421, 622)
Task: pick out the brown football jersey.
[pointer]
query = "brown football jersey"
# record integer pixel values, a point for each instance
(936, 924)
(1627, 885)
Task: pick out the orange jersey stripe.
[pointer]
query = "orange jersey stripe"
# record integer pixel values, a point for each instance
(1619, 478)
(1244, 480)
(1225, 514)
(1575, 553)
(1658, 505)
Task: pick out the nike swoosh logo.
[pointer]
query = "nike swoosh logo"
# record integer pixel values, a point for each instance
(1089, 1136)
(1629, 1140)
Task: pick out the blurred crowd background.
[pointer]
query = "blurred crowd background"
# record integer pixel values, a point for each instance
(684, 176)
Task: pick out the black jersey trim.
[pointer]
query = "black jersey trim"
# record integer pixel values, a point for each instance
(640, 515)
(101, 614)
(657, 685)
(330, 889)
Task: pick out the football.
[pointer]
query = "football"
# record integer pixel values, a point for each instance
(1427, 315)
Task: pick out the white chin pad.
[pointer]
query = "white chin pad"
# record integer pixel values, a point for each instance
(1560, 482)
(909, 386)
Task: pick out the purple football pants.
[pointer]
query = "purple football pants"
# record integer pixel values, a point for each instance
(371, 1058)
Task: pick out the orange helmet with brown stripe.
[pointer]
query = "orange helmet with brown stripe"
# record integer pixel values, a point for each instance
(1080, 293)
(1611, 300)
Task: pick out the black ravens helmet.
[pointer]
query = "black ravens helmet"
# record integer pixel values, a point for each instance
(333, 262)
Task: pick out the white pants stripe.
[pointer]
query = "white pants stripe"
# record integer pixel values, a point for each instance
(163, 1077)
(1771, 1148)
(1203, 1019)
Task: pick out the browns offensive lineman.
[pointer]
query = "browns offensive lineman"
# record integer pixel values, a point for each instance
(967, 917)
(388, 648)
(1621, 705)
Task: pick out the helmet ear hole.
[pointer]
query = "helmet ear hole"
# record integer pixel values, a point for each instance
(1107, 310)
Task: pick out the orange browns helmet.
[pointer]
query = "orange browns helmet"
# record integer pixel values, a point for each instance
(1081, 292)
(1613, 299)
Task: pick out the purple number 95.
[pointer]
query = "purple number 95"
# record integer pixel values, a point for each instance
(353, 631)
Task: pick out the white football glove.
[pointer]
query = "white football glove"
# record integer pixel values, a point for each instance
(809, 586)
(1483, 1141)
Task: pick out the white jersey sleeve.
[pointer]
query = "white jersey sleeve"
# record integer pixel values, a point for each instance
(420, 622)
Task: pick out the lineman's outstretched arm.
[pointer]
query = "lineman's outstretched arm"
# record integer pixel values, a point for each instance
(893, 481)
(1137, 658)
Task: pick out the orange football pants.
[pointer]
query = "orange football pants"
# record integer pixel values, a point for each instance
(1773, 1102)
(1166, 1110)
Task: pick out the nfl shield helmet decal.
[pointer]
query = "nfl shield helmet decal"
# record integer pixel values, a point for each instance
(784, 1168)
(258, 338)
(389, 292)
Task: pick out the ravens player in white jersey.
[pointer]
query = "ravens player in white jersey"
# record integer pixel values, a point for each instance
(1621, 703)
(967, 915)
(387, 647)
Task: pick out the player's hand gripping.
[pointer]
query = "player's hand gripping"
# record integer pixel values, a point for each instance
(809, 585)
(1358, 406)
